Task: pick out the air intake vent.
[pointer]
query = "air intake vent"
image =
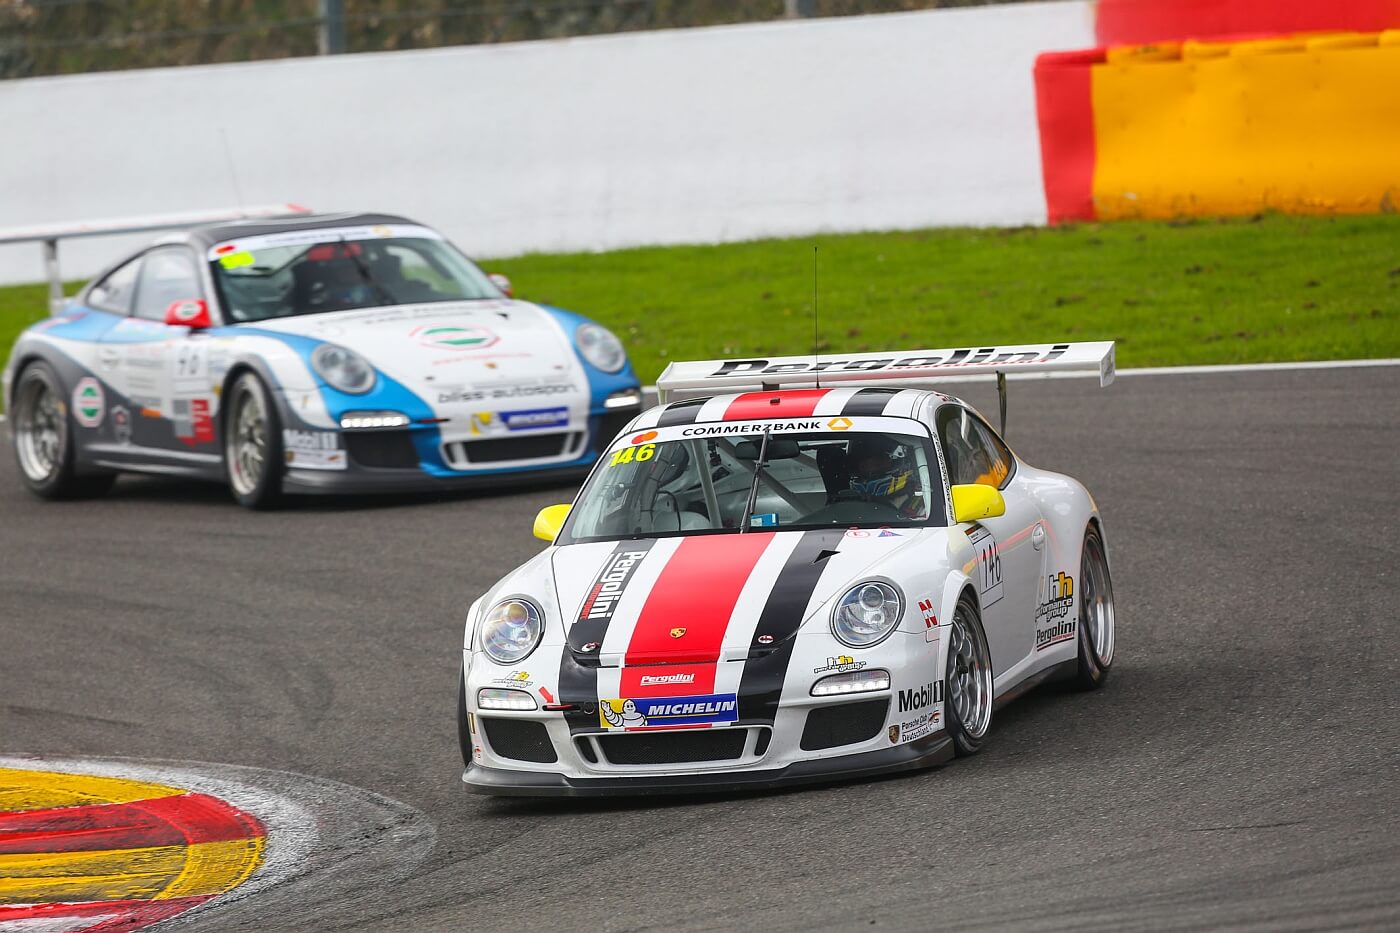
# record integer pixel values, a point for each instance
(847, 724)
(669, 748)
(521, 739)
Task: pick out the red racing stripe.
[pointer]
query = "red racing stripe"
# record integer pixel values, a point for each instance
(794, 403)
(696, 591)
(185, 819)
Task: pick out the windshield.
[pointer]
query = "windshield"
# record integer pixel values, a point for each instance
(658, 484)
(341, 269)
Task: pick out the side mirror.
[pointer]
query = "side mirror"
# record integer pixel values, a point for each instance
(190, 312)
(973, 502)
(503, 283)
(549, 521)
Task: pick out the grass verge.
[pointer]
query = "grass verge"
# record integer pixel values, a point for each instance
(1264, 289)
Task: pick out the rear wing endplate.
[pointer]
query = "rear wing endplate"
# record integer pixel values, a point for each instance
(907, 368)
(50, 234)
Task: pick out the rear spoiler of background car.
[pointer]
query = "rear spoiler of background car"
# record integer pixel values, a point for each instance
(50, 234)
(912, 368)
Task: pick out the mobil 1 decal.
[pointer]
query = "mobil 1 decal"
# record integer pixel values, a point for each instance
(988, 565)
(578, 668)
(918, 716)
(761, 686)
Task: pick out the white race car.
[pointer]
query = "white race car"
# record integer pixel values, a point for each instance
(831, 574)
(319, 353)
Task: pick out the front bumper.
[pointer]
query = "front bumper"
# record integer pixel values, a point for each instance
(929, 751)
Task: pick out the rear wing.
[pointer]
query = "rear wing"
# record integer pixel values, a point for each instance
(909, 368)
(50, 234)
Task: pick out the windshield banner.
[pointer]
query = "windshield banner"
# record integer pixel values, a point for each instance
(319, 235)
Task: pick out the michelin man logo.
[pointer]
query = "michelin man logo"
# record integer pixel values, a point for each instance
(621, 714)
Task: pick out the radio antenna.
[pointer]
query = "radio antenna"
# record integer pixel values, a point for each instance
(815, 339)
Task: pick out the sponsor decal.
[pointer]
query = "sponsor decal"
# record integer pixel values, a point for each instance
(839, 424)
(591, 646)
(644, 437)
(201, 421)
(609, 586)
(652, 680)
(843, 664)
(656, 712)
(894, 733)
(750, 427)
(677, 633)
(857, 533)
(121, 425)
(920, 697)
(449, 337)
(89, 404)
(1053, 623)
(503, 392)
(916, 728)
(486, 422)
(765, 639)
(313, 450)
(885, 532)
(764, 520)
(535, 418)
(515, 679)
(964, 357)
(930, 619)
(988, 571)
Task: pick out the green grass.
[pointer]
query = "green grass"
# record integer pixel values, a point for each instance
(1272, 288)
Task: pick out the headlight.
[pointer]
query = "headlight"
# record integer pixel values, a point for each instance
(511, 630)
(867, 614)
(600, 347)
(343, 369)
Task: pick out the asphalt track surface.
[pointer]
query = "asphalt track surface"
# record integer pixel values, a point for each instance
(1240, 770)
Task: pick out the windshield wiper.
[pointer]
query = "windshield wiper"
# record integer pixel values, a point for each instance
(757, 475)
(383, 293)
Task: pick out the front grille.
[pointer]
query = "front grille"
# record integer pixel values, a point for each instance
(382, 449)
(847, 724)
(462, 454)
(669, 748)
(521, 739)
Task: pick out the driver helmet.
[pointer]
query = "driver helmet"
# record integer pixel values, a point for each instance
(879, 466)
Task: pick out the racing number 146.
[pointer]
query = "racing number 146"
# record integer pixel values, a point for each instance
(628, 454)
(991, 567)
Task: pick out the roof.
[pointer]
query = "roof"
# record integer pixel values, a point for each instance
(848, 401)
(210, 234)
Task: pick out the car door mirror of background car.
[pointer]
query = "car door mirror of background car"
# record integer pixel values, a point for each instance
(973, 502)
(551, 519)
(188, 312)
(503, 283)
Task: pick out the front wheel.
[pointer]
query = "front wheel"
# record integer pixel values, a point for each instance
(968, 706)
(253, 445)
(1095, 613)
(43, 439)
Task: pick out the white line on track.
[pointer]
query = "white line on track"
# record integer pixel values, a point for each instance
(1177, 370)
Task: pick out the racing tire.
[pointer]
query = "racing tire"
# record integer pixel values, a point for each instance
(1096, 629)
(253, 445)
(43, 439)
(968, 681)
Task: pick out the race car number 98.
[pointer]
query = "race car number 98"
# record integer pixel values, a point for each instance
(628, 454)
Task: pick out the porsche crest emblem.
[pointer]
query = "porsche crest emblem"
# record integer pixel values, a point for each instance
(894, 732)
(677, 632)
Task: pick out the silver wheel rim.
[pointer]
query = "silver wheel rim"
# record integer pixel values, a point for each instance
(1096, 609)
(39, 433)
(969, 675)
(248, 446)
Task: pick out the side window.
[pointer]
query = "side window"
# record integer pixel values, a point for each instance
(973, 452)
(168, 275)
(114, 292)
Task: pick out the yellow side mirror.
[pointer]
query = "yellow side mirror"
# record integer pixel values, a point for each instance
(973, 502)
(549, 521)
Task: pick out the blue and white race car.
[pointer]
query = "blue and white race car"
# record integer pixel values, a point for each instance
(330, 353)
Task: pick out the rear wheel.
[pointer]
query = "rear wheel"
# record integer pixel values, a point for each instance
(968, 680)
(1096, 628)
(43, 439)
(253, 445)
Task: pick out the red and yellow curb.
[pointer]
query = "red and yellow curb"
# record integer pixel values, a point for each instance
(115, 854)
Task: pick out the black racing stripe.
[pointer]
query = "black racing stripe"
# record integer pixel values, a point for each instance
(681, 412)
(869, 402)
(761, 685)
(578, 669)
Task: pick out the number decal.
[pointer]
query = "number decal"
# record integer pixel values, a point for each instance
(988, 565)
(646, 452)
(626, 454)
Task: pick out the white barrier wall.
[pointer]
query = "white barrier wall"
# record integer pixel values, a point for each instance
(703, 135)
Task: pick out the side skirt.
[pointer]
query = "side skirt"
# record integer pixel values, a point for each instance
(1062, 671)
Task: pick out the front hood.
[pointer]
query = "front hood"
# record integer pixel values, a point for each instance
(708, 597)
(467, 355)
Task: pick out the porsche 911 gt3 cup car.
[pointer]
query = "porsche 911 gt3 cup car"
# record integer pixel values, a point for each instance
(833, 573)
(331, 353)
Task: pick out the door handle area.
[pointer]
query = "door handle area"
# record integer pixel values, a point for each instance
(1038, 537)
